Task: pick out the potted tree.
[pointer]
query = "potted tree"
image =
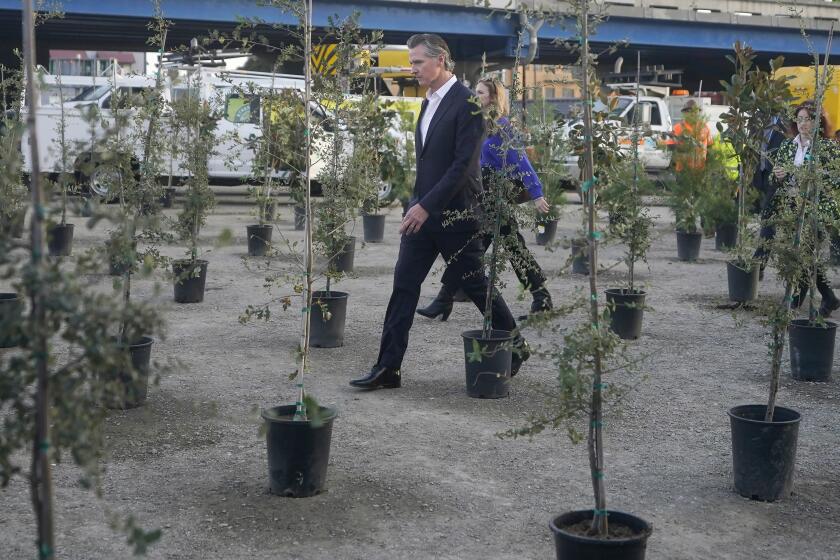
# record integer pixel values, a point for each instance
(764, 437)
(13, 194)
(756, 97)
(547, 152)
(54, 399)
(60, 235)
(586, 357)
(198, 123)
(631, 224)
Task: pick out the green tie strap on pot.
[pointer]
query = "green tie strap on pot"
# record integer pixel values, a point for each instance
(594, 297)
(596, 235)
(600, 512)
(44, 445)
(39, 211)
(600, 386)
(598, 474)
(45, 552)
(597, 424)
(588, 184)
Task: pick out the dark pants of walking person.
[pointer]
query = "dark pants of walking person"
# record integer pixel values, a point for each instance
(524, 265)
(417, 255)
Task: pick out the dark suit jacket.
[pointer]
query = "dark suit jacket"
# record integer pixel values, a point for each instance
(448, 162)
(762, 180)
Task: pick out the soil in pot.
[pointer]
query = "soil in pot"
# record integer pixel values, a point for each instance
(725, 236)
(259, 239)
(488, 378)
(300, 218)
(190, 278)
(626, 540)
(546, 232)
(580, 256)
(60, 240)
(11, 316)
(327, 319)
(298, 451)
(688, 245)
(343, 259)
(131, 388)
(763, 453)
(374, 227)
(743, 284)
(627, 309)
(811, 350)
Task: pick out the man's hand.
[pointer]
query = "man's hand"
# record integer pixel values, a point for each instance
(541, 204)
(413, 220)
(779, 172)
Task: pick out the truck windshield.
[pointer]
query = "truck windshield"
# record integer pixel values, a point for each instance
(92, 93)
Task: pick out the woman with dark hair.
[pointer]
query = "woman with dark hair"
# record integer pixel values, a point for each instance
(794, 152)
(497, 154)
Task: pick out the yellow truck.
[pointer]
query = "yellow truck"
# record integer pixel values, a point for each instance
(802, 85)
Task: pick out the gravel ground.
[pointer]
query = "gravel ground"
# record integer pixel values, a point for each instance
(418, 473)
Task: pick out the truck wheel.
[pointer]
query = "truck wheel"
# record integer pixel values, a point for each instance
(104, 181)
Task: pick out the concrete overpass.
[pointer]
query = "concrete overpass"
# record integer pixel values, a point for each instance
(689, 34)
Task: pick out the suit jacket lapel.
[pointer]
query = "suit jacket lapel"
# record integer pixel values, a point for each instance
(444, 106)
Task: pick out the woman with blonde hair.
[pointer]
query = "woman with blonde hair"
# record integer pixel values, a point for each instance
(499, 153)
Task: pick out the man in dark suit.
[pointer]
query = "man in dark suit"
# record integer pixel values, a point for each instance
(766, 184)
(448, 142)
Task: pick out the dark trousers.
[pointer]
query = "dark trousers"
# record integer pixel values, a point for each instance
(524, 264)
(418, 252)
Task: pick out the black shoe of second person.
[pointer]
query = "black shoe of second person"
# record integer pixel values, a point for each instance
(441, 306)
(379, 378)
(829, 305)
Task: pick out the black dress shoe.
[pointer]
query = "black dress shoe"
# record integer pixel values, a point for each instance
(379, 378)
(520, 356)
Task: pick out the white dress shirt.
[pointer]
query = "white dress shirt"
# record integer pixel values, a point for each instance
(434, 100)
(801, 150)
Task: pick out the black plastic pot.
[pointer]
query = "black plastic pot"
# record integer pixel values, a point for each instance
(580, 256)
(546, 231)
(725, 236)
(167, 198)
(14, 225)
(570, 545)
(688, 245)
(743, 285)
(811, 350)
(627, 309)
(60, 240)
(763, 453)
(342, 261)
(488, 378)
(11, 316)
(131, 388)
(300, 218)
(190, 278)
(298, 451)
(326, 321)
(374, 226)
(259, 239)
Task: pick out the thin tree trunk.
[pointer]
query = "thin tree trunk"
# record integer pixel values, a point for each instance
(300, 409)
(40, 476)
(595, 438)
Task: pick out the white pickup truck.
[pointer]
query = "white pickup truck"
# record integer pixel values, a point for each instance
(655, 128)
(232, 158)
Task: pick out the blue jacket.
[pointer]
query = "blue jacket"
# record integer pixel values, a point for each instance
(448, 169)
(514, 160)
